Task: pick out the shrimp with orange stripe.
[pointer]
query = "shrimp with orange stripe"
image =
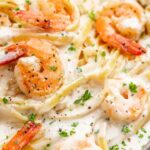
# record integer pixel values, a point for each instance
(52, 16)
(38, 70)
(114, 28)
(23, 137)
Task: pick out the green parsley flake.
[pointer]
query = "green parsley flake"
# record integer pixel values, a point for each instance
(103, 54)
(85, 97)
(72, 132)
(123, 143)
(143, 130)
(92, 15)
(133, 87)
(72, 47)
(125, 129)
(63, 133)
(28, 2)
(75, 124)
(53, 68)
(141, 136)
(32, 117)
(5, 100)
(17, 8)
(115, 147)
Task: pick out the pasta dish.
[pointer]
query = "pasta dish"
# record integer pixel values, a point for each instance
(74, 74)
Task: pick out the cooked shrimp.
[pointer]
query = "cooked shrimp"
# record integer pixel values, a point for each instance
(52, 17)
(124, 101)
(39, 72)
(119, 24)
(23, 137)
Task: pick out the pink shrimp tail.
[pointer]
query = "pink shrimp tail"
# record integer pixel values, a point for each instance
(125, 44)
(13, 53)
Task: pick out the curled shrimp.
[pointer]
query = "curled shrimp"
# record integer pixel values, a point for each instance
(23, 137)
(53, 16)
(125, 100)
(119, 24)
(38, 70)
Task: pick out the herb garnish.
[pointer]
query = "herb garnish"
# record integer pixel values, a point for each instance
(53, 68)
(92, 15)
(125, 129)
(63, 133)
(72, 47)
(5, 100)
(115, 147)
(75, 124)
(133, 87)
(28, 2)
(103, 54)
(85, 97)
(32, 117)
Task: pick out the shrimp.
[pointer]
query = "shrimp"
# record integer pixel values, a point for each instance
(125, 102)
(23, 137)
(38, 70)
(121, 23)
(52, 17)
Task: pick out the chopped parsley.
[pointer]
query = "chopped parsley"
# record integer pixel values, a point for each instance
(143, 130)
(72, 132)
(123, 143)
(85, 97)
(5, 100)
(63, 133)
(92, 15)
(53, 68)
(125, 129)
(141, 136)
(32, 117)
(28, 2)
(72, 47)
(115, 147)
(75, 124)
(17, 8)
(103, 54)
(133, 87)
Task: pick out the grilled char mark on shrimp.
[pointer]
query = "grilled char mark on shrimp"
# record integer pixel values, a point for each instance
(120, 24)
(39, 71)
